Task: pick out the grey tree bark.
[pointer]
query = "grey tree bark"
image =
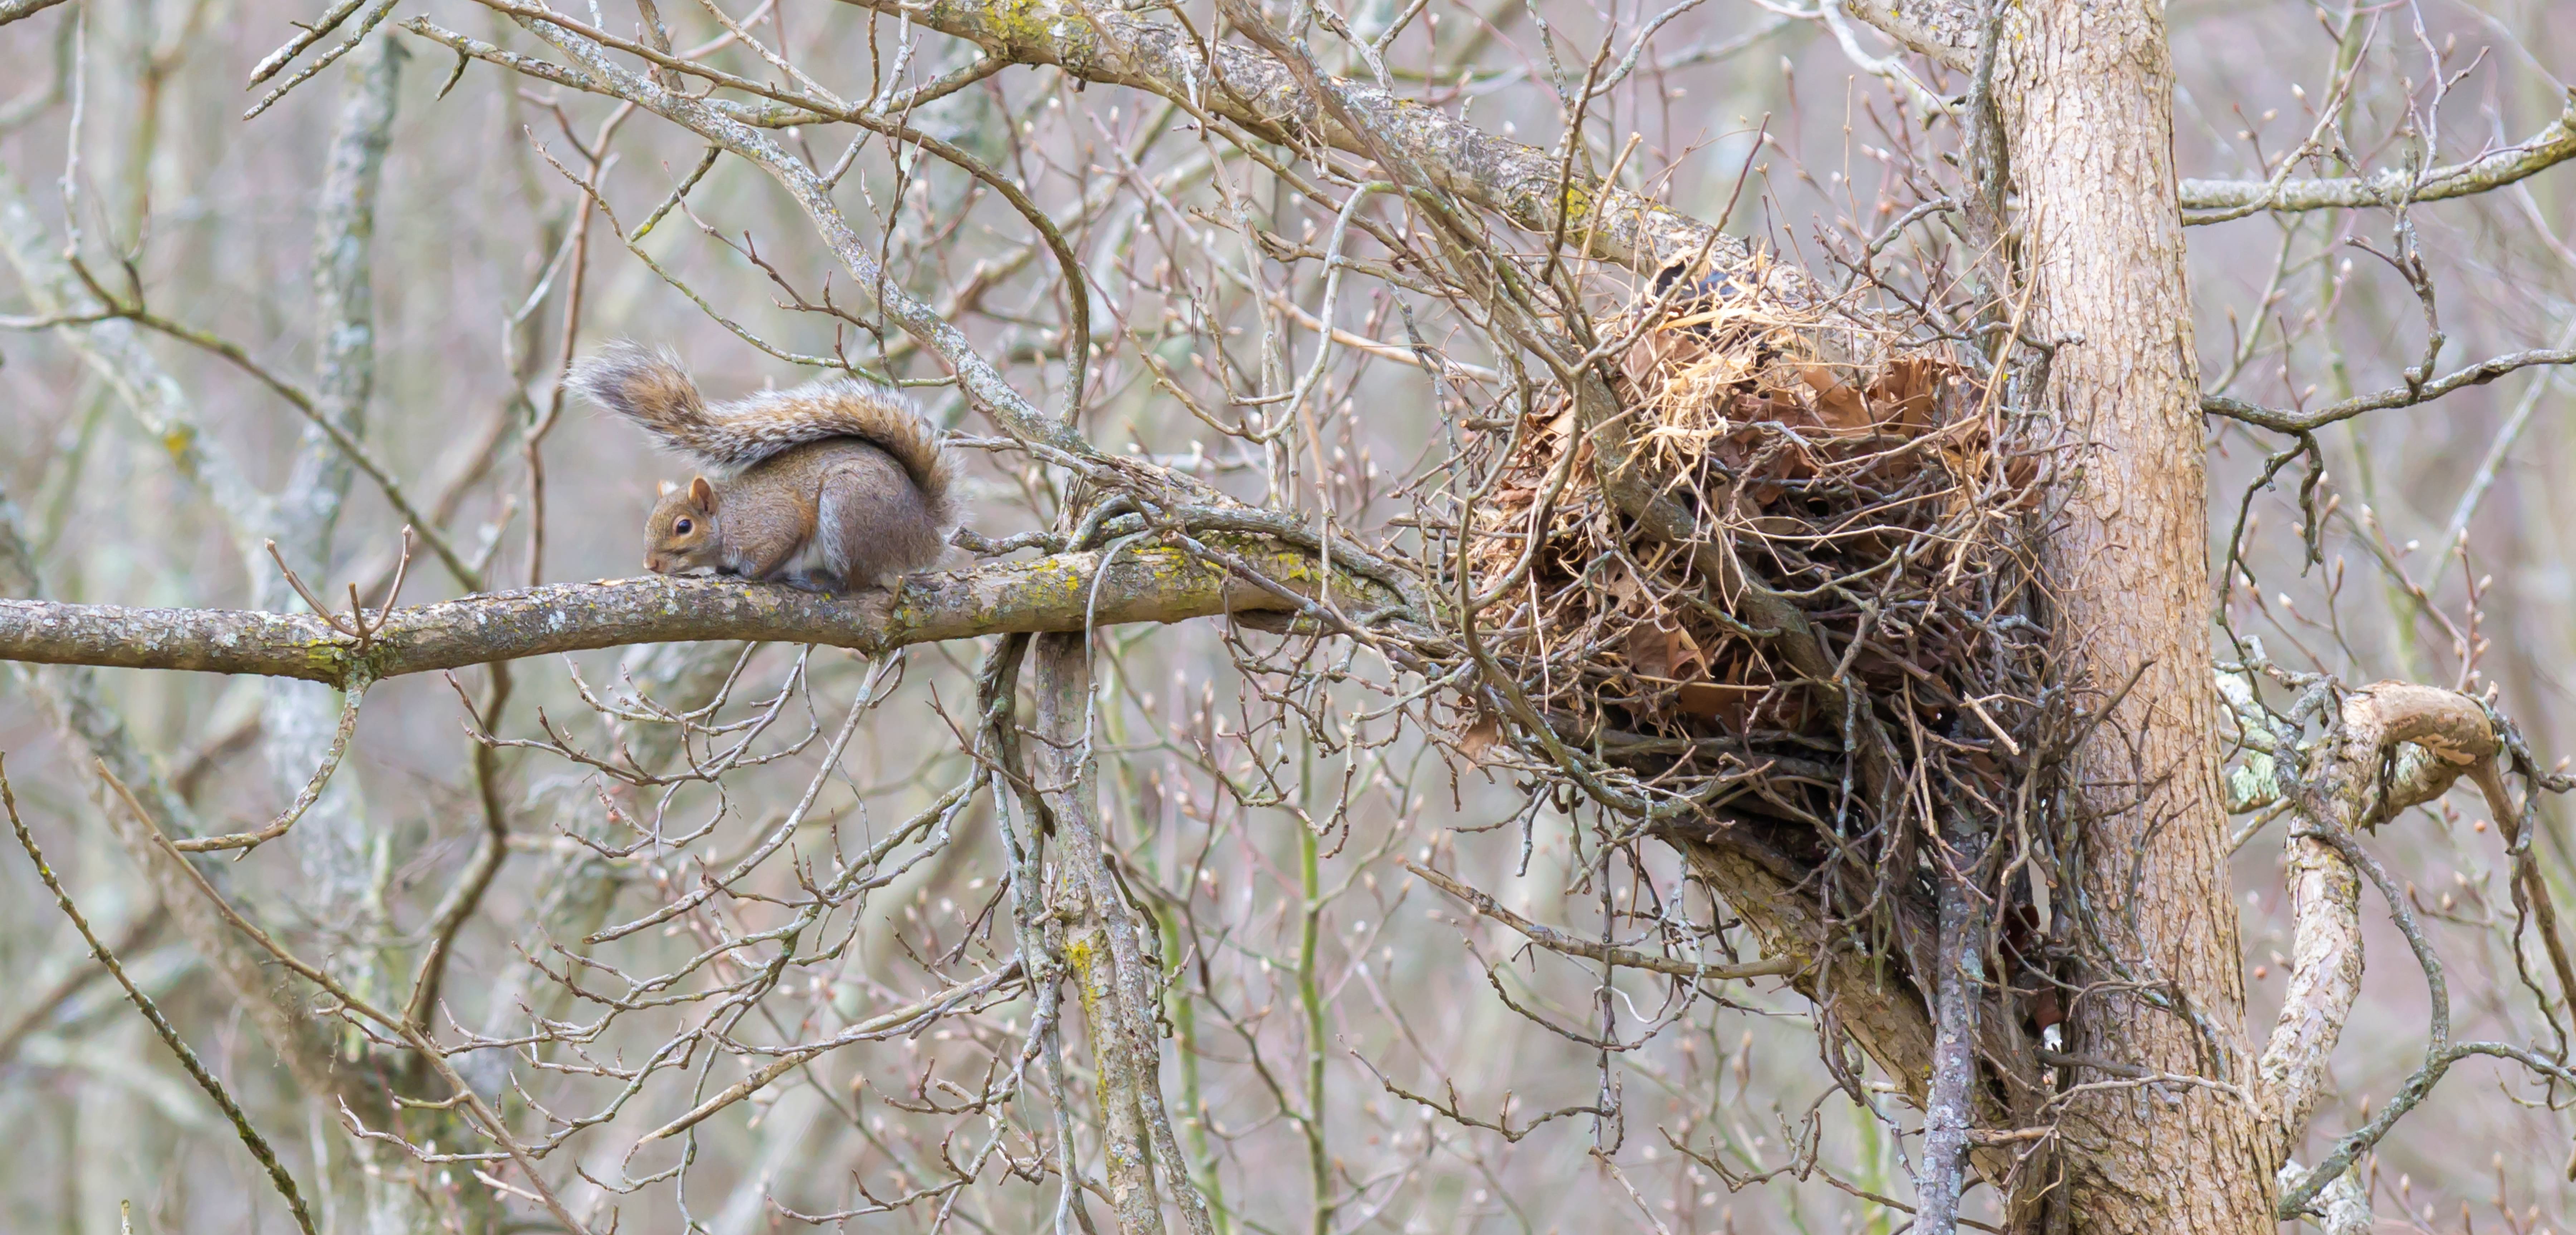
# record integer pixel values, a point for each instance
(2086, 95)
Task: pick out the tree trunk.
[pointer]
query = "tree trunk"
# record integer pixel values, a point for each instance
(2086, 94)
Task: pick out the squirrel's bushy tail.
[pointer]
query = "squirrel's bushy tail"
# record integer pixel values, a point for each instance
(645, 386)
(649, 387)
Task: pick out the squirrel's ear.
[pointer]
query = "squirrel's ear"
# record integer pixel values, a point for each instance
(668, 489)
(702, 494)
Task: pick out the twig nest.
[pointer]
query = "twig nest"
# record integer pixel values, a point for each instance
(1851, 466)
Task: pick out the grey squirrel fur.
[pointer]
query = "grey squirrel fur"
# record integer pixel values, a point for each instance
(831, 486)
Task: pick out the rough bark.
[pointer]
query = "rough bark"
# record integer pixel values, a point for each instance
(2086, 95)
(1951, 1112)
(2324, 980)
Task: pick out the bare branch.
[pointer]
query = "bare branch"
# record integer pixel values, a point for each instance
(196, 1069)
(352, 1004)
(2493, 170)
(2352, 782)
(76, 704)
(1252, 89)
(2325, 892)
(975, 374)
(2416, 390)
(1558, 941)
(1116, 984)
(115, 352)
(308, 508)
(892, 1023)
(1947, 32)
(1874, 1005)
(304, 797)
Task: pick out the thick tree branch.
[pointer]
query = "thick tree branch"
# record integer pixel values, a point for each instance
(1119, 987)
(307, 510)
(12, 10)
(304, 728)
(1884, 1019)
(1066, 592)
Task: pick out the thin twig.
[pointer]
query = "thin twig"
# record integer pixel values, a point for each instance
(250, 1137)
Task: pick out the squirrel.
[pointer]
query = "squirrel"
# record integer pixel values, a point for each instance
(835, 485)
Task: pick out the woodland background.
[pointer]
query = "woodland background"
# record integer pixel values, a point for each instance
(219, 216)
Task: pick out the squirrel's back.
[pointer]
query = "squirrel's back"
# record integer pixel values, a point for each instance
(650, 388)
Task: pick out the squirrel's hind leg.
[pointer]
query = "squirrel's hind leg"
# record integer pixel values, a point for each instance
(816, 582)
(850, 513)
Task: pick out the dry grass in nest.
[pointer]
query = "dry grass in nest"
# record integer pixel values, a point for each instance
(1863, 475)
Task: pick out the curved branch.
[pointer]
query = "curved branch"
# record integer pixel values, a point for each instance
(2356, 778)
(305, 797)
(2325, 892)
(2415, 390)
(1066, 592)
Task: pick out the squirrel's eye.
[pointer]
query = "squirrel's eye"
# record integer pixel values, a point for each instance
(681, 527)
